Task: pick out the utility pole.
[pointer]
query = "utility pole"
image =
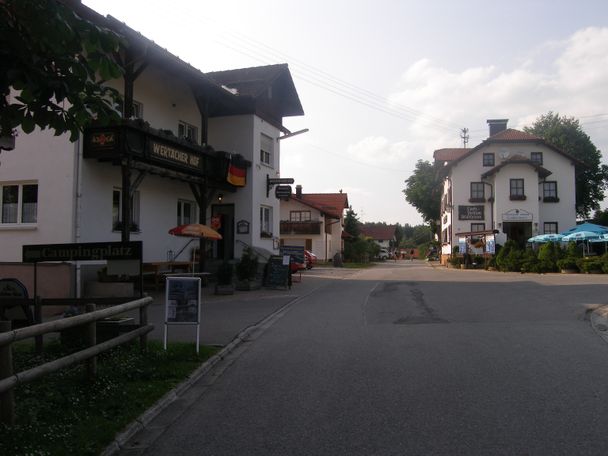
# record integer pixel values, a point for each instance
(464, 135)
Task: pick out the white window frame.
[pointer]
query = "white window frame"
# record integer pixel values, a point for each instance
(265, 221)
(117, 215)
(20, 209)
(300, 216)
(187, 131)
(181, 219)
(266, 150)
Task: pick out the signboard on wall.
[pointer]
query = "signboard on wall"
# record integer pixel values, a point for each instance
(471, 212)
(85, 251)
(517, 215)
(242, 227)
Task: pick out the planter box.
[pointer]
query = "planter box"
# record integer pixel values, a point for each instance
(247, 285)
(109, 289)
(224, 289)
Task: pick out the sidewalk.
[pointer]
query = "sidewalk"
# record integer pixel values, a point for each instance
(224, 317)
(229, 321)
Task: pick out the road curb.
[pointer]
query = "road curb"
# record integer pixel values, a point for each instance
(246, 335)
(599, 321)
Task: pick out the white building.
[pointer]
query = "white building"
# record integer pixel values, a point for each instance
(513, 185)
(314, 221)
(186, 130)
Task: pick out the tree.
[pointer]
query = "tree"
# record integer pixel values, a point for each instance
(600, 217)
(352, 223)
(57, 63)
(566, 134)
(423, 191)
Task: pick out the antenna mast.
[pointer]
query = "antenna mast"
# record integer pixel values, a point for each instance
(464, 135)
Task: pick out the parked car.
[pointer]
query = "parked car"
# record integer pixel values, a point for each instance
(295, 266)
(311, 259)
(383, 255)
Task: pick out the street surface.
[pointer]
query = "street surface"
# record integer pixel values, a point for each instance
(407, 359)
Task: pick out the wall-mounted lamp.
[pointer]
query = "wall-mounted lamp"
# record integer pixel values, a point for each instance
(220, 197)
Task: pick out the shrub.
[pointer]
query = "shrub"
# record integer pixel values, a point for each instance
(529, 262)
(247, 267)
(509, 257)
(548, 256)
(455, 260)
(224, 273)
(590, 265)
(568, 263)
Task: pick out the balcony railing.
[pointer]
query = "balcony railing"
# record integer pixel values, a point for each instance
(312, 227)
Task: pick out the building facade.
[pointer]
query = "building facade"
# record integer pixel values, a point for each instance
(314, 221)
(513, 185)
(193, 147)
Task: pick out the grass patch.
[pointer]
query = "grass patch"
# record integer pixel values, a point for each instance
(63, 414)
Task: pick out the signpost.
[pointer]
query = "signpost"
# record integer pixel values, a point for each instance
(183, 304)
(271, 182)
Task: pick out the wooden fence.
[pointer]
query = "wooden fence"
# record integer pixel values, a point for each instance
(9, 380)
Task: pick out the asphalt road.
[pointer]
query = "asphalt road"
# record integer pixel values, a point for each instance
(405, 359)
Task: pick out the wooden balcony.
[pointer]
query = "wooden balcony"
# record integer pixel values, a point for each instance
(312, 227)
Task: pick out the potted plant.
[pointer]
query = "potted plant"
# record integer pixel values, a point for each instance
(246, 270)
(224, 285)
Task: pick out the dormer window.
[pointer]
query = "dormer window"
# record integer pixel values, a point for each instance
(537, 157)
(488, 160)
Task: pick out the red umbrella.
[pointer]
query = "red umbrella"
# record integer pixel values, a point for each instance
(196, 230)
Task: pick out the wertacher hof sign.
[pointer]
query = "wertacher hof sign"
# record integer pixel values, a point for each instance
(470, 213)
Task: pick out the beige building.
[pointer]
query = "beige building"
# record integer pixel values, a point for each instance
(513, 185)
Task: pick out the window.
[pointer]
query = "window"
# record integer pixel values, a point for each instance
(117, 210)
(550, 228)
(537, 157)
(517, 189)
(186, 212)
(477, 192)
(137, 110)
(478, 227)
(19, 203)
(299, 216)
(187, 131)
(265, 221)
(266, 149)
(550, 192)
(488, 159)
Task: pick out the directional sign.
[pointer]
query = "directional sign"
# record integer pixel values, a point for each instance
(282, 191)
(271, 182)
(281, 181)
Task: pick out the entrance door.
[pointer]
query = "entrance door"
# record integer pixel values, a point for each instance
(519, 232)
(225, 246)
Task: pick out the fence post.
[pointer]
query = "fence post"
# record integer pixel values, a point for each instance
(39, 340)
(91, 340)
(7, 399)
(143, 321)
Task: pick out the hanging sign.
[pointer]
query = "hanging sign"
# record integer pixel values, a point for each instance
(282, 191)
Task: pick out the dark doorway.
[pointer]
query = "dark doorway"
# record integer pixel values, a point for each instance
(224, 247)
(519, 232)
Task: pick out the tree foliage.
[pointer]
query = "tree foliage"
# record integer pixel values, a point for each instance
(352, 225)
(423, 191)
(566, 134)
(56, 62)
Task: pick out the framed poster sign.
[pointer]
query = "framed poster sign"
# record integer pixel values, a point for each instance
(183, 300)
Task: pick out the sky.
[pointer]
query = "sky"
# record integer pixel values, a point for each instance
(384, 83)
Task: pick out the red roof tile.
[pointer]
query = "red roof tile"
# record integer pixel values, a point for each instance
(448, 154)
(379, 232)
(332, 204)
(511, 134)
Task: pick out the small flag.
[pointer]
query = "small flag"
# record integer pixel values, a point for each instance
(237, 176)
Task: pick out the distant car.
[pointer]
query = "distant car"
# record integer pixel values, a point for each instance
(295, 266)
(383, 255)
(311, 259)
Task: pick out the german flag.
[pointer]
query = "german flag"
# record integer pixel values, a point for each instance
(237, 176)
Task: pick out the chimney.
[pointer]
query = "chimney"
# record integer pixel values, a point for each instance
(497, 125)
(299, 191)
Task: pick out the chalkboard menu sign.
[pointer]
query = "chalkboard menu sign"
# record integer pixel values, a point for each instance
(277, 272)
